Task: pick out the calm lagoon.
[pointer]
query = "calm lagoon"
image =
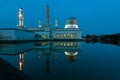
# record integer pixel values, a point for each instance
(63, 60)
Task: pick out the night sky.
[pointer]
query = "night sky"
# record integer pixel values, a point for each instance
(93, 16)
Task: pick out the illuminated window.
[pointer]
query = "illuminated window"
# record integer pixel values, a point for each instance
(75, 44)
(71, 44)
(75, 35)
(71, 35)
(60, 35)
(68, 44)
(65, 44)
(64, 35)
(61, 44)
(57, 35)
(68, 36)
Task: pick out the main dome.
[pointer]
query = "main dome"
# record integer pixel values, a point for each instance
(71, 22)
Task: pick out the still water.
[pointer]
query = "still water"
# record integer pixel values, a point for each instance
(62, 60)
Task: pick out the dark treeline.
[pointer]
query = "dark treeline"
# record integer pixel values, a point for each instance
(107, 39)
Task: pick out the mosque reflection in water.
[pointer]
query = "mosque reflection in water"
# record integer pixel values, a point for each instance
(70, 50)
(43, 49)
(59, 61)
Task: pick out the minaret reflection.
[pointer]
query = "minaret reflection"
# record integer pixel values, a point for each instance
(21, 61)
(47, 52)
(69, 49)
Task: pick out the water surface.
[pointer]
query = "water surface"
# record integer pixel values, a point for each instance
(64, 60)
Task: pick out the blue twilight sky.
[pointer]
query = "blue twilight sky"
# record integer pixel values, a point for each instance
(93, 16)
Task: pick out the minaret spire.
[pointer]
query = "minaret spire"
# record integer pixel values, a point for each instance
(21, 19)
(39, 24)
(47, 15)
(56, 23)
(47, 25)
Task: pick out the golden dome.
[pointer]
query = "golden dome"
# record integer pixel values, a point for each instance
(71, 22)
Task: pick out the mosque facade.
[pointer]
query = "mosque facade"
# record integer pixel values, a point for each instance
(70, 31)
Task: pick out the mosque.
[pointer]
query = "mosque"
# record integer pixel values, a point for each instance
(70, 31)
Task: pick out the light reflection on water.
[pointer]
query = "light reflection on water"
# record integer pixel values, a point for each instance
(64, 60)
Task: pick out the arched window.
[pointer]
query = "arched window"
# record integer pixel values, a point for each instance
(68, 35)
(68, 44)
(65, 44)
(61, 44)
(57, 44)
(75, 35)
(71, 44)
(71, 35)
(57, 35)
(75, 44)
(61, 35)
(65, 35)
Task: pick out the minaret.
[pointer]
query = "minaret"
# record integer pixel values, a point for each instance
(39, 24)
(21, 61)
(21, 19)
(56, 23)
(47, 25)
(47, 15)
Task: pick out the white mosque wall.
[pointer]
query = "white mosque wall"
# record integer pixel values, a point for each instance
(66, 34)
(16, 34)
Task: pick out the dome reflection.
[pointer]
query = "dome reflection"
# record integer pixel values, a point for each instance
(71, 56)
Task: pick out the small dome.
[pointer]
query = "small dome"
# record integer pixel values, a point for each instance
(71, 22)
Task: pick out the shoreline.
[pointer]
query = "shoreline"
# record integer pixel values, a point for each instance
(40, 40)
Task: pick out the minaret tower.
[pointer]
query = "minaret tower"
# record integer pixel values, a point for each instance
(56, 23)
(47, 15)
(39, 24)
(21, 19)
(47, 25)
